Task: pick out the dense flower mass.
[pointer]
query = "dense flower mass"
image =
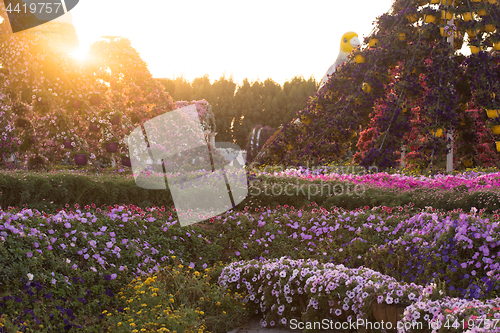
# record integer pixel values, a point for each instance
(410, 85)
(471, 180)
(282, 289)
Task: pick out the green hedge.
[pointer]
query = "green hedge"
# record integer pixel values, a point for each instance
(54, 190)
(51, 191)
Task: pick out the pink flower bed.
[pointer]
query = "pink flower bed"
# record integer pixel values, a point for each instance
(383, 179)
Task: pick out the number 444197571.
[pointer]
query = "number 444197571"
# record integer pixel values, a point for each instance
(34, 7)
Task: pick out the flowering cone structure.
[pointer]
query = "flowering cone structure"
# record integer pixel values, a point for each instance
(404, 90)
(48, 92)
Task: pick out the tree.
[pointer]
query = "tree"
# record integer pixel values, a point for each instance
(407, 85)
(223, 108)
(238, 109)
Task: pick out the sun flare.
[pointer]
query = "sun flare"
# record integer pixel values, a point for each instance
(80, 53)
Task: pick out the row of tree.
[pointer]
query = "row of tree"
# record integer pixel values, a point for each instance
(239, 108)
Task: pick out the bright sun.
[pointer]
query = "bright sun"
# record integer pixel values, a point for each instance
(81, 53)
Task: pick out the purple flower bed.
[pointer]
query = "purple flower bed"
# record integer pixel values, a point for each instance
(75, 262)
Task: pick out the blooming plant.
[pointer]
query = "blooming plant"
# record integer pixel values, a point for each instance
(284, 288)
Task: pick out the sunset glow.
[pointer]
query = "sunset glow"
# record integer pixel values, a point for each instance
(254, 40)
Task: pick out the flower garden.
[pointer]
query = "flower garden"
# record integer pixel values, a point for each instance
(94, 268)
(83, 248)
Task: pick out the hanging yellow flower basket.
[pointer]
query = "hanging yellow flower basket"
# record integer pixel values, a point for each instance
(498, 145)
(438, 133)
(430, 19)
(482, 12)
(360, 59)
(467, 16)
(366, 87)
(492, 113)
(373, 42)
(446, 15)
(435, 1)
(306, 120)
(493, 2)
(490, 28)
(471, 32)
(441, 31)
(496, 46)
(402, 36)
(412, 18)
(496, 129)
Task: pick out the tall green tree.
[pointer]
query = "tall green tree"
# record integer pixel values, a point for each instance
(223, 108)
(239, 108)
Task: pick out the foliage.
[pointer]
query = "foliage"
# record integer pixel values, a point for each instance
(238, 108)
(418, 84)
(84, 266)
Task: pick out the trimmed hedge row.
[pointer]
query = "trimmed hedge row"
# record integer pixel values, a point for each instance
(54, 190)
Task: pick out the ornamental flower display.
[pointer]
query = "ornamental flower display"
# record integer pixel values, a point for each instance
(54, 103)
(283, 289)
(413, 89)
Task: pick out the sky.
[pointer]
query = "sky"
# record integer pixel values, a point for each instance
(256, 39)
